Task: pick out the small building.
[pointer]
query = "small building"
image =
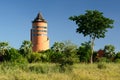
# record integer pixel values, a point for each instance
(100, 53)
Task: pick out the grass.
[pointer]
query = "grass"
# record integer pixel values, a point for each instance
(47, 71)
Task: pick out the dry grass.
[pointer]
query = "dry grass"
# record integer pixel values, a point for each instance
(80, 72)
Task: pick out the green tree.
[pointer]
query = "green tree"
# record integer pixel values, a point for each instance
(65, 54)
(34, 57)
(84, 52)
(54, 56)
(109, 51)
(69, 54)
(3, 46)
(117, 55)
(11, 54)
(92, 24)
(58, 47)
(56, 52)
(26, 48)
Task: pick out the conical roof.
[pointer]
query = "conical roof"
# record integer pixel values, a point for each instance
(39, 18)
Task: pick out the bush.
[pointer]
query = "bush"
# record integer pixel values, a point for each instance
(12, 55)
(45, 57)
(101, 65)
(34, 57)
(38, 69)
(44, 68)
(66, 68)
(55, 57)
(117, 61)
(22, 64)
(103, 59)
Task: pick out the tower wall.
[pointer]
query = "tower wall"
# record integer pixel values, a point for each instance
(39, 36)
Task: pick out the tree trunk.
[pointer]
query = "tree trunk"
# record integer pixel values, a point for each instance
(92, 49)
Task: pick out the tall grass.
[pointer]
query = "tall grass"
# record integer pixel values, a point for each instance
(47, 71)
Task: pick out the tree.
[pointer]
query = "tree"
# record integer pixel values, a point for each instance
(12, 54)
(58, 47)
(92, 24)
(65, 54)
(84, 52)
(117, 55)
(3, 47)
(69, 54)
(109, 51)
(26, 48)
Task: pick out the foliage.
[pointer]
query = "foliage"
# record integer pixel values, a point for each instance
(70, 53)
(117, 60)
(55, 57)
(109, 48)
(109, 52)
(95, 58)
(11, 54)
(34, 57)
(3, 47)
(58, 47)
(44, 68)
(103, 59)
(117, 55)
(51, 72)
(92, 24)
(84, 52)
(39, 69)
(101, 65)
(26, 48)
(64, 53)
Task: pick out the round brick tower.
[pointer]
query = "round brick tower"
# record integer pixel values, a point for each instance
(39, 36)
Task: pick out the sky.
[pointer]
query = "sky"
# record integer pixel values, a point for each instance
(16, 18)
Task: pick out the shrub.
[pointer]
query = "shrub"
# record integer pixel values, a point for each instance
(55, 57)
(34, 57)
(44, 68)
(11, 55)
(65, 68)
(103, 59)
(84, 52)
(22, 64)
(45, 57)
(101, 65)
(117, 61)
(38, 69)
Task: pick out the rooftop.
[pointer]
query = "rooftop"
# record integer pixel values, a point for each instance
(39, 18)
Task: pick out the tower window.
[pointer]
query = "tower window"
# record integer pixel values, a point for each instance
(39, 30)
(39, 34)
(39, 27)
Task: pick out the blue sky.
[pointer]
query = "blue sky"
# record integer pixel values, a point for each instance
(16, 17)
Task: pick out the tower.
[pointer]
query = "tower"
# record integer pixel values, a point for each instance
(39, 36)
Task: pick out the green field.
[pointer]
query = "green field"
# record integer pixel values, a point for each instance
(47, 71)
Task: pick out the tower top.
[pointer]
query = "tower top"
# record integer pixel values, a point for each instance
(39, 18)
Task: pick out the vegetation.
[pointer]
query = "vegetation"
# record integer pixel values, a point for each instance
(92, 24)
(64, 60)
(48, 71)
(84, 52)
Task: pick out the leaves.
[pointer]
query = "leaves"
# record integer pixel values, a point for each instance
(3, 46)
(26, 48)
(92, 23)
